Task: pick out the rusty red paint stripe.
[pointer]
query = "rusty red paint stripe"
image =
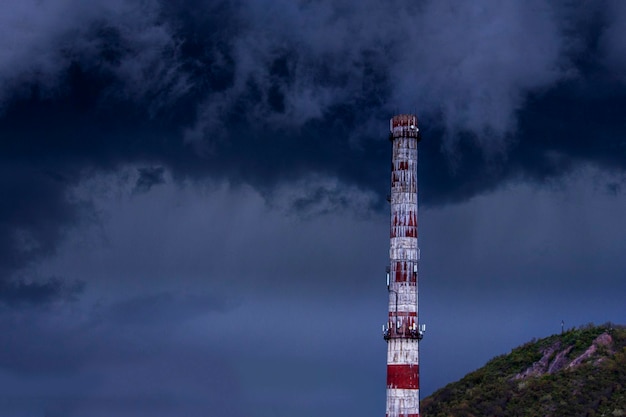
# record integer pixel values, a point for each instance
(400, 276)
(403, 313)
(403, 376)
(403, 231)
(400, 120)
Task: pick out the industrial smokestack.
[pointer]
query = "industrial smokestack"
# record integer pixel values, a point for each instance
(403, 331)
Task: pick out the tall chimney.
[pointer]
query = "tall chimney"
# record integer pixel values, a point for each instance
(403, 331)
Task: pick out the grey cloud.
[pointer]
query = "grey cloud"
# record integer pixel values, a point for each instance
(77, 361)
(472, 64)
(475, 63)
(148, 178)
(43, 39)
(612, 40)
(159, 308)
(204, 232)
(266, 92)
(262, 249)
(34, 213)
(19, 293)
(466, 67)
(202, 294)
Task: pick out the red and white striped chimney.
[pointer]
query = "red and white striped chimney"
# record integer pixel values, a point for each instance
(402, 331)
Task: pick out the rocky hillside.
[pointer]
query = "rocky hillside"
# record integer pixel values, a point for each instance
(581, 372)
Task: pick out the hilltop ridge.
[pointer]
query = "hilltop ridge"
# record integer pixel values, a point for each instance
(581, 372)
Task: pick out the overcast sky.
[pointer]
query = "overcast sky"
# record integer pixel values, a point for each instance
(193, 215)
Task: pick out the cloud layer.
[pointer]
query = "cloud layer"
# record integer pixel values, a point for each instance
(193, 194)
(262, 91)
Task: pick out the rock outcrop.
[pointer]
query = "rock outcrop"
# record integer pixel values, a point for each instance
(554, 358)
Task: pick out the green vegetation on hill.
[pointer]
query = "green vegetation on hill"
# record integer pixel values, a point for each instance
(581, 372)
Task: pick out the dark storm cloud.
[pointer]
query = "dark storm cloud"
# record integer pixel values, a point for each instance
(20, 293)
(77, 360)
(209, 169)
(43, 40)
(271, 91)
(305, 295)
(159, 308)
(62, 66)
(202, 235)
(34, 214)
(149, 177)
(33, 205)
(611, 42)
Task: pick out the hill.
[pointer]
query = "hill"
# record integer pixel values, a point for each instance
(581, 372)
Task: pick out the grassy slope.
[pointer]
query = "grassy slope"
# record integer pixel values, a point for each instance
(594, 388)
